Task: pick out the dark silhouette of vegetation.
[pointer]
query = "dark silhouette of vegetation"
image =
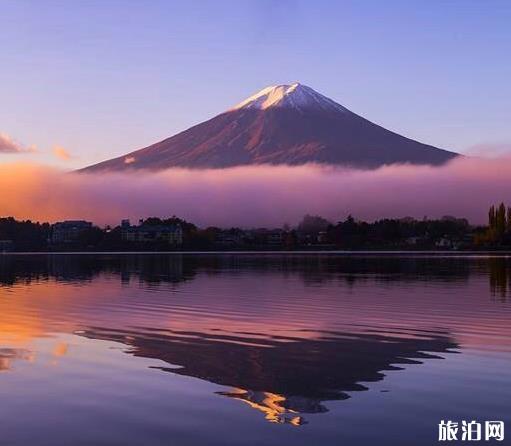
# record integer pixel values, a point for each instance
(312, 224)
(313, 232)
(25, 235)
(498, 232)
(448, 232)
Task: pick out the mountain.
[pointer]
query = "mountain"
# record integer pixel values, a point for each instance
(283, 124)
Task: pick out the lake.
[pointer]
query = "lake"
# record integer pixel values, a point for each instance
(250, 349)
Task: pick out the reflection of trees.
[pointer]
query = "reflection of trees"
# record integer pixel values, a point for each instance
(22, 269)
(500, 277)
(358, 268)
(281, 377)
(314, 269)
(151, 269)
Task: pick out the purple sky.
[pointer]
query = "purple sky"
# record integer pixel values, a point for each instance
(101, 78)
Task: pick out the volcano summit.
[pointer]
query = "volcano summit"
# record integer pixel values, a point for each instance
(283, 124)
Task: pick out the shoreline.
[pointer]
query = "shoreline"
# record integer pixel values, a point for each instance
(424, 253)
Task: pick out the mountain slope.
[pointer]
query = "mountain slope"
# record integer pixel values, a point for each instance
(285, 124)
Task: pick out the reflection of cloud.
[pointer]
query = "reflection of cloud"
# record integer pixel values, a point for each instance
(8, 355)
(129, 160)
(17, 331)
(9, 145)
(60, 349)
(257, 195)
(61, 153)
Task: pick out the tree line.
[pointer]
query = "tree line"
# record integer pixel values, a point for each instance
(313, 232)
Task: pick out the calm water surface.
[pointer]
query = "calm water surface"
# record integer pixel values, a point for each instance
(250, 349)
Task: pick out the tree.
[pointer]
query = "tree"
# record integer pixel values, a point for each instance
(491, 217)
(501, 220)
(312, 224)
(499, 225)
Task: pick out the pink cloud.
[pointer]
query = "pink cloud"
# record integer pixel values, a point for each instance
(493, 150)
(61, 153)
(9, 145)
(257, 195)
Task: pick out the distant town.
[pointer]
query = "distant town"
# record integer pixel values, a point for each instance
(312, 233)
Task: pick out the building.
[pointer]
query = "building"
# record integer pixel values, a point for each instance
(144, 233)
(414, 240)
(447, 243)
(275, 237)
(229, 238)
(265, 237)
(68, 231)
(322, 237)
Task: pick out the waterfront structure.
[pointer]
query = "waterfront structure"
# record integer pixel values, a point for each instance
(171, 234)
(68, 231)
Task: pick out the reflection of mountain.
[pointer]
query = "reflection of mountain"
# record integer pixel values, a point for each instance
(283, 377)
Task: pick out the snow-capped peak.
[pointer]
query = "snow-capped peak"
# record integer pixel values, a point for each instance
(293, 95)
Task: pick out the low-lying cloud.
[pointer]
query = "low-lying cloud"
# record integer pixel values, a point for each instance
(257, 195)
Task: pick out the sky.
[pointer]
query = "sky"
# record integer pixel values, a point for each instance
(85, 81)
